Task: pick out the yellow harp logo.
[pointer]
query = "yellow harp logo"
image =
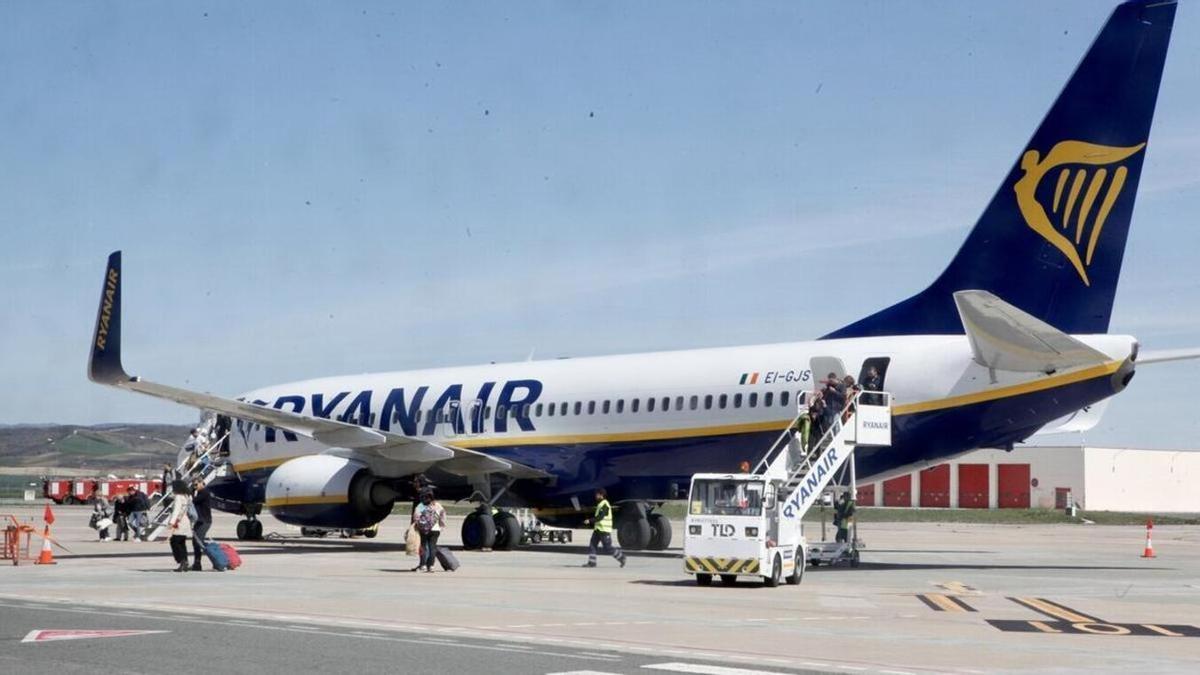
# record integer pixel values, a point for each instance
(1081, 163)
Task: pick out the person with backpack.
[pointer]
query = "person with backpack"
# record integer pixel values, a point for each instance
(202, 507)
(430, 518)
(179, 523)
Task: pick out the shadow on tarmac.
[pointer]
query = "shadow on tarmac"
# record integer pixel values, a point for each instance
(970, 566)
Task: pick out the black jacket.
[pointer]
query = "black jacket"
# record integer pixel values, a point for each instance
(140, 502)
(203, 503)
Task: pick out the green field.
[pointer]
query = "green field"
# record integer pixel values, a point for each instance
(85, 444)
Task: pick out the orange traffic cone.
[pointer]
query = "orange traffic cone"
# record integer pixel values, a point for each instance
(1148, 552)
(47, 555)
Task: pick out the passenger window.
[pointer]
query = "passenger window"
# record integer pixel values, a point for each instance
(525, 410)
(562, 409)
(578, 408)
(737, 400)
(487, 412)
(768, 398)
(501, 411)
(604, 409)
(537, 411)
(693, 402)
(633, 405)
(620, 405)
(650, 404)
(783, 398)
(753, 400)
(591, 407)
(549, 410)
(679, 403)
(666, 406)
(708, 402)
(722, 401)
(417, 417)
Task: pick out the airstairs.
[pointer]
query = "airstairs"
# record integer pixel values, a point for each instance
(206, 466)
(866, 420)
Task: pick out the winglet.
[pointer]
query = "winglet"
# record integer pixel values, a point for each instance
(104, 366)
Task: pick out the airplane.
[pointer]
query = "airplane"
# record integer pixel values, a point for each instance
(1011, 339)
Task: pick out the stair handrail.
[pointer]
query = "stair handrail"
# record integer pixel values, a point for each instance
(785, 437)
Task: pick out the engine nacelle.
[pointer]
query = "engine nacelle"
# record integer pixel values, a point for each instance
(328, 491)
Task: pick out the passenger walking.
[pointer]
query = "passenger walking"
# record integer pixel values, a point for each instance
(120, 507)
(834, 395)
(179, 523)
(602, 527)
(843, 516)
(202, 505)
(101, 517)
(139, 512)
(816, 413)
(429, 521)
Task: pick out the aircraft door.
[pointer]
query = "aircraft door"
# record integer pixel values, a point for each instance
(474, 420)
(822, 366)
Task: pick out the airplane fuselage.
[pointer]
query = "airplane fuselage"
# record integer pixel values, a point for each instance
(640, 425)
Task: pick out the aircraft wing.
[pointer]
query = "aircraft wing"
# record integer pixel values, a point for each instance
(1006, 338)
(105, 367)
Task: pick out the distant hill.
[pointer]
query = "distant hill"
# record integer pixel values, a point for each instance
(103, 447)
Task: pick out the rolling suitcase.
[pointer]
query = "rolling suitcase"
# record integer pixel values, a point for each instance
(447, 559)
(216, 556)
(231, 554)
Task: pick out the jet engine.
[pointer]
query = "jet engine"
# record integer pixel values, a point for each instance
(328, 491)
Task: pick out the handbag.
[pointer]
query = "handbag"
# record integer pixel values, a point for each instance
(412, 541)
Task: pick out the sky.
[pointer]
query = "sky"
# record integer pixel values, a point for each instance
(310, 188)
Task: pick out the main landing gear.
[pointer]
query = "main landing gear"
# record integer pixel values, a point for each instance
(640, 529)
(490, 528)
(250, 527)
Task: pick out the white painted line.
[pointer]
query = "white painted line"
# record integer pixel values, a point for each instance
(311, 628)
(708, 670)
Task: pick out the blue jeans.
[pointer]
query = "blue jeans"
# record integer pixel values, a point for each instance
(429, 548)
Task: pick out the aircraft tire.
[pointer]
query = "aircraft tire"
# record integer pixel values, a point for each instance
(508, 531)
(704, 580)
(633, 534)
(256, 530)
(243, 529)
(776, 573)
(797, 574)
(660, 532)
(478, 531)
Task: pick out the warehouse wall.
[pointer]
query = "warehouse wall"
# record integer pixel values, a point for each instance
(1142, 480)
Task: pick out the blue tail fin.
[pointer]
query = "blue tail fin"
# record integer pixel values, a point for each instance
(1052, 238)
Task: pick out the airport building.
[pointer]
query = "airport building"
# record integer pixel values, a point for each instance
(1097, 479)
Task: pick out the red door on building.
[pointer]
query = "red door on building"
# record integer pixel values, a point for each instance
(898, 491)
(973, 486)
(1013, 486)
(866, 495)
(935, 486)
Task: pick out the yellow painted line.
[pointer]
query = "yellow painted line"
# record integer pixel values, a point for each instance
(960, 588)
(1043, 627)
(943, 602)
(1055, 610)
(1162, 631)
(305, 500)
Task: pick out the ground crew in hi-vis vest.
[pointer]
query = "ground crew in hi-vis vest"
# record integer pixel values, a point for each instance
(602, 523)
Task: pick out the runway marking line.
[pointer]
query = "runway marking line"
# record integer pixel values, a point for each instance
(1055, 610)
(41, 635)
(1068, 621)
(940, 602)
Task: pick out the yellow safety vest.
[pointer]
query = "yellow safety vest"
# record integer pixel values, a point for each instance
(603, 524)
